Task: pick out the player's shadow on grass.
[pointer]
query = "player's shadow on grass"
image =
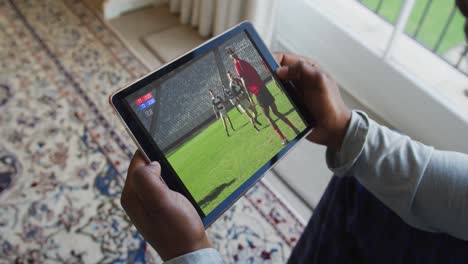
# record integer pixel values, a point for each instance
(214, 193)
(275, 118)
(243, 125)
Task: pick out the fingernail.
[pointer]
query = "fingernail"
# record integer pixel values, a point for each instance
(281, 70)
(154, 163)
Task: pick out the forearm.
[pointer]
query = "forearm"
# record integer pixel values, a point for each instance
(395, 168)
(441, 201)
(388, 164)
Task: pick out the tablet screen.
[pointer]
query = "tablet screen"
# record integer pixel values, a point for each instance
(218, 119)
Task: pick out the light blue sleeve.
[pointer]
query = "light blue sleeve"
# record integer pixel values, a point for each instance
(427, 188)
(202, 256)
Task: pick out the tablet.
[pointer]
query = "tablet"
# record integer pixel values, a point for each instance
(216, 118)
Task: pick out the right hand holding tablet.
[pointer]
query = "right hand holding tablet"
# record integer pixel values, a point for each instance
(321, 98)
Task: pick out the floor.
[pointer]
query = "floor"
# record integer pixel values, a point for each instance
(157, 37)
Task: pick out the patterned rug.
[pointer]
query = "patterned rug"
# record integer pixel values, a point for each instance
(63, 153)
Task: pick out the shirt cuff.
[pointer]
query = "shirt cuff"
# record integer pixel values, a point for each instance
(206, 255)
(340, 162)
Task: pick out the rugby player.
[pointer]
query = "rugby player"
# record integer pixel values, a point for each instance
(234, 102)
(255, 85)
(241, 98)
(220, 110)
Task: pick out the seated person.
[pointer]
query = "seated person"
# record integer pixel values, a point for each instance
(425, 187)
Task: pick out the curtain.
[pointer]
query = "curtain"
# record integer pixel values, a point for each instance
(212, 17)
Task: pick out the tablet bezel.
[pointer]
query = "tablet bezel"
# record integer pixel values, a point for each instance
(148, 146)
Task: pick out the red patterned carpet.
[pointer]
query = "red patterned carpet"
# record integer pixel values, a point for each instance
(63, 153)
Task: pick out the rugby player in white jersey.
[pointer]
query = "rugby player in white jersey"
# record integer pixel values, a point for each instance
(220, 110)
(240, 94)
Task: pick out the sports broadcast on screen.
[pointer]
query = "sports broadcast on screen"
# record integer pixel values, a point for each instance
(218, 119)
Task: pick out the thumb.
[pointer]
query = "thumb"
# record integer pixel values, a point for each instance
(147, 183)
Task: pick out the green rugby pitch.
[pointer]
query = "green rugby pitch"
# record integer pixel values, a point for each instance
(212, 165)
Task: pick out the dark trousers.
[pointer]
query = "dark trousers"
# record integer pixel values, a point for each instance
(350, 225)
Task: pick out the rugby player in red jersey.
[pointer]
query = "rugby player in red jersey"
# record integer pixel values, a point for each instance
(255, 85)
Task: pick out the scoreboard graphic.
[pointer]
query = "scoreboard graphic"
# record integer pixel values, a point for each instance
(145, 101)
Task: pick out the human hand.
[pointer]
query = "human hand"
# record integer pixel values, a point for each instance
(166, 219)
(320, 95)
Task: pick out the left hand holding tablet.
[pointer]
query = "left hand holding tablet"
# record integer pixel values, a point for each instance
(166, 219)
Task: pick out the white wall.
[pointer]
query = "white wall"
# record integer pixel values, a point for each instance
(114, 8)
(403, 101)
